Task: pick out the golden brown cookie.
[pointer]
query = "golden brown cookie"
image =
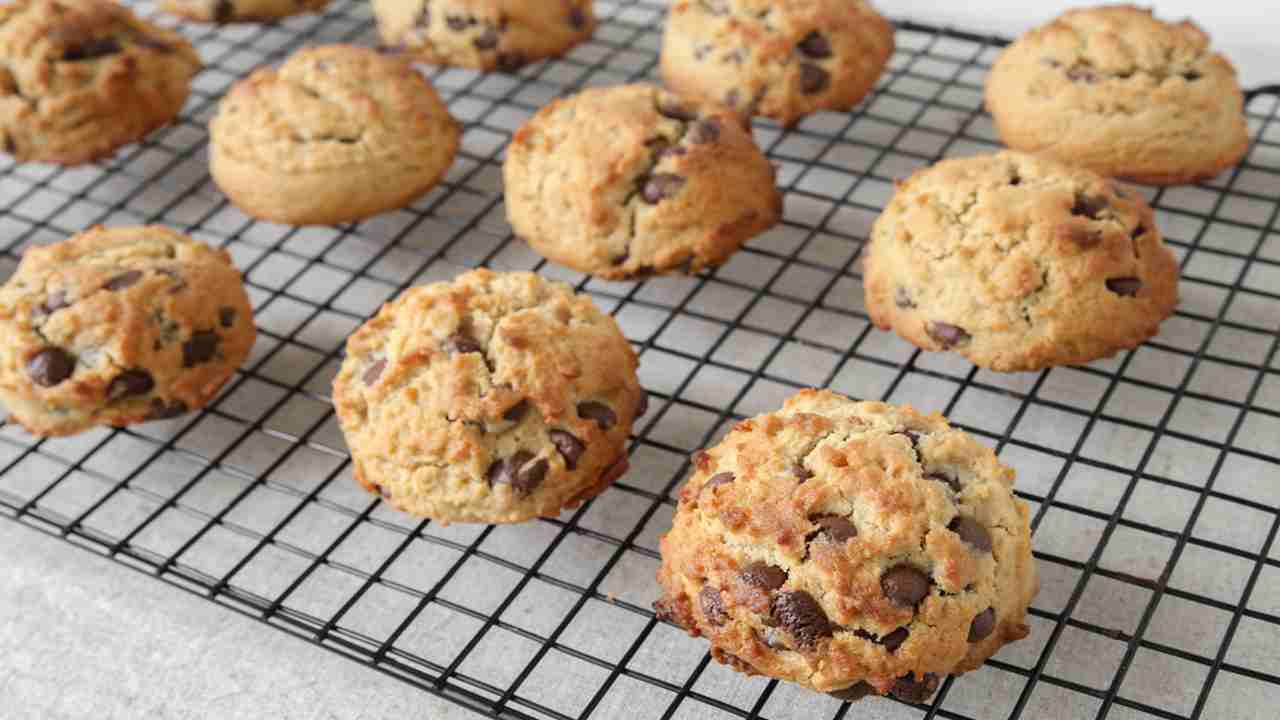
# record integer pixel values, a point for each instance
(850, 547)
(782, 59)
(81, 78)
(1018, 262)
(118, 326)
(627, 181)
(494, 398)
(335, 134)
(1123, 93)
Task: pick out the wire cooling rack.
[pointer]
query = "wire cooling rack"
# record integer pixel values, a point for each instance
(1154, 477)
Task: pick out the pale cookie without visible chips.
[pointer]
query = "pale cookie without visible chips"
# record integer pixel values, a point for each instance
(1116, 90)
(484, 34)
(782, 60)
(627, 181)
(1018, 262)
(850, 547)
(118, 326)
(229, 11)
(335, 134)
(81, 78)
(493, 398)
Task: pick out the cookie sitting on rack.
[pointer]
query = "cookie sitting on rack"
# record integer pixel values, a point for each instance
(229, 11)
(81, 78)
(1118, 91)
(494, 398)
(119, 326)
(851, 547)
(782, 59)
(628, 181)
(336, 134)
(1018, 262)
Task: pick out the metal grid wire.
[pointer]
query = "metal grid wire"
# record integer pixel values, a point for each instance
(1154, 477)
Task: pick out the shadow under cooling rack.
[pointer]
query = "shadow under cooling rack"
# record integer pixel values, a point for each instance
(1154, 477)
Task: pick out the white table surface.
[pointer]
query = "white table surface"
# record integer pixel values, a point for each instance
(82, 637)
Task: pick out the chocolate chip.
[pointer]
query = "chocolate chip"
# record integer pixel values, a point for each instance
(129, 384)
(55, 302)
(904, 585)
(813, 79)
(913, 437)
(947, 480)
(151, 43)
(517, 472)
(674, 110)
(815, 45)
(854, 693)
(946, 335)
(374, 372)
(894, 640)
(460, 343)
(801, 472)
(1191, 76)
(642, 405)
(902, 298)
(226, 316)
(200, 348)
(1138, 232)
(516, 412)
(223, 10)
(910, 689)
(577, 19)
(700, 52)
(456, 23)
(1082, 237)
(972, 532)
(91, 49)
(763, 576)
(123, 280)
(1127, 287)
(1090, 206)
(50, 366)
(570, 447)
(661, 186)
(982, 625)
(10, 146)
(510, 62)
(1082, 73)
(705, 131)
(801, 616)
(712, 605)
(601, 413)
(531, 476)
(1016, 180)
(383, 492)
(835, 528)
(161, 410)
(717, 480)
(488, 40)
(424, 17)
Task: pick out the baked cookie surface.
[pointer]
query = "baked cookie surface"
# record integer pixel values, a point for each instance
(228, 11)
(335, 134)
(1018, 262)
(1123, 93)
(484, 34)
(493, 398)
(81, 78)
(118, 326)
(782, 60)
(850, 547)
(627, 181)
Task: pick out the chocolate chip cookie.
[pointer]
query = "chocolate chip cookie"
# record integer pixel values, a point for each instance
(81, 78)
(118, 326)
(676, 186)
(782, 60)
(336, 134)
(1116, 90)
(229, 11)
(1018, 262)
(850, 547)
(484, 34)
(494, 398)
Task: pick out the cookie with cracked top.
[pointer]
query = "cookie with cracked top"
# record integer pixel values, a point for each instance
(484, 34)
(1119, 91)
(1018, 262)
(81, 78)
(336, 134)
(493, 398)
(677, 186)
(230, 11)
(855, 548)
(782, 60)
(119, 326)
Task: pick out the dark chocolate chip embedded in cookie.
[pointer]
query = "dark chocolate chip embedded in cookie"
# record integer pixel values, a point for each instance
(863, 576)
(679, 186)
(492, 398)
(95, 335)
